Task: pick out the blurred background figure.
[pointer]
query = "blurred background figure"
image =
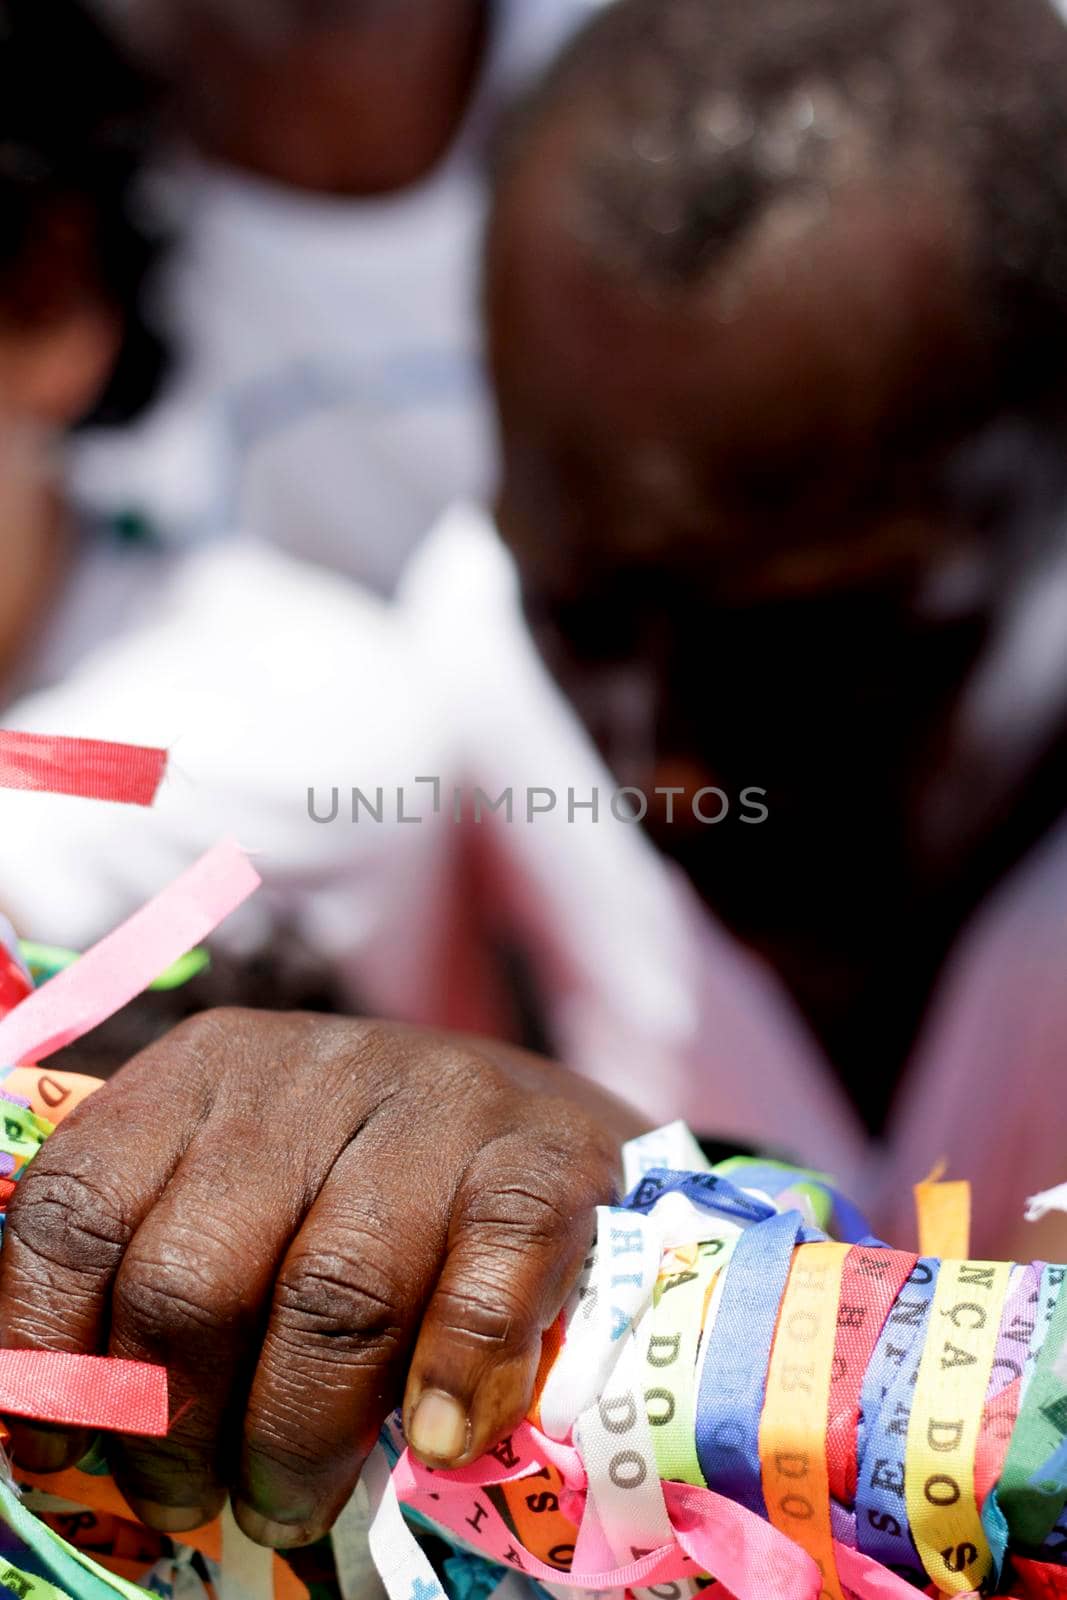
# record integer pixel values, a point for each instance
(264, 673)
(327, 195)
(77, 340)
(778, 317)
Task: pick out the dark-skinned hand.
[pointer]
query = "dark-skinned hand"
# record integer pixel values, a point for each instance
(305, 1218)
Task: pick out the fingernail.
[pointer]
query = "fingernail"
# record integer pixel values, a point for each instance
(169, 1519)
(275, 1535)
(43, 1449)
(439, 1427)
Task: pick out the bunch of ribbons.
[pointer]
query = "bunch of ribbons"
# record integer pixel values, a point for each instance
(734, 1395)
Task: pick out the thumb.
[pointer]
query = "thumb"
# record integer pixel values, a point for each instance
(518, 1237)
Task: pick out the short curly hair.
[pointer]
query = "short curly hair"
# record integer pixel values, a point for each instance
(76, 120)
(700, 115)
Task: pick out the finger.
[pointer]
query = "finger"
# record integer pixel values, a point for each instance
(345, 1311)
(69, 1224)
(196, 1280)
(45, 1447)
(190, 1295)
(521, 1228)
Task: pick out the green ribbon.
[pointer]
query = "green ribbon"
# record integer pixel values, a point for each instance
(1031, 1507)
(46, 960)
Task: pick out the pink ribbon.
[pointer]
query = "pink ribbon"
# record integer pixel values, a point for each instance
(748, 1556)
(126, 961)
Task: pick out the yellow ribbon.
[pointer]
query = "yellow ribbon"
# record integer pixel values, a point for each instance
(946, 1415)
(792, 1435)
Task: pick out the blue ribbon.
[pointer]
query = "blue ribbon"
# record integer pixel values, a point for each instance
(705, 1189)
(733, 1378)
(845, 1221)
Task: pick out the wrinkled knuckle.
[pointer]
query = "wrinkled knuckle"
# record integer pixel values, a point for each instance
(599, 1157)
(452, 1076)
(568, 1159)
(168, 1301)
(491, 1316)
(286, 1438)
(67, 1220)
(516, 1215)
(210, 1031)
(572, 1147)
(466, 1074)
(327, 1296)
(362, 1056)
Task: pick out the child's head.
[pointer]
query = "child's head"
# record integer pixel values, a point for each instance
(778, 317)
(340, 96)
(74, 254)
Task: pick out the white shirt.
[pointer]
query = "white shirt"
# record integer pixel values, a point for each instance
(265, 679)
(329, 391)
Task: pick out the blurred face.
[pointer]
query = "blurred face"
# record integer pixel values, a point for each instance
(58, 346)
(51, 375)
(730, 511)
(59, 338)
(336, 96)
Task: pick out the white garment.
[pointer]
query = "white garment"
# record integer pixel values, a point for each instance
(330, 393)
(264, 678)
(267, 679)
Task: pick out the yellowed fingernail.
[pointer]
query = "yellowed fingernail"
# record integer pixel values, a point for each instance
(439, 1428)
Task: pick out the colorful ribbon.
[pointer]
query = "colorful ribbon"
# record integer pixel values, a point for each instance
(849, 1409)
(124, 963)
(92, 769)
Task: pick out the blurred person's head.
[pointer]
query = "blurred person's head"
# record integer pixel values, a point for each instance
(74, 249)
(777, 296)
(74, 262)
(340, 96)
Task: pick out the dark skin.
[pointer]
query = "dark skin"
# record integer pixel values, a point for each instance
(404, 1218)
(343, 97)
(733, 495)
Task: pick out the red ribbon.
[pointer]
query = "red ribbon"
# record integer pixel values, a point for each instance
(14, 984)
(1040, 1580)
(870, 1283)
(94, 769)
(84, 1391)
